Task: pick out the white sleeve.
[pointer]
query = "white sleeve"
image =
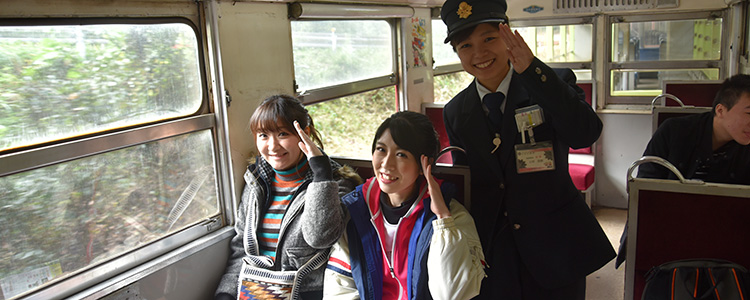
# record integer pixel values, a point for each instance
(338, 282)
(455, 263)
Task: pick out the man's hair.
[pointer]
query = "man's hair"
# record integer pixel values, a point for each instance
(731, 90)
(464, 34)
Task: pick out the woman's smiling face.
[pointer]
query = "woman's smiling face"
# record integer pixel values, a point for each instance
(396, 169)
(280, 148)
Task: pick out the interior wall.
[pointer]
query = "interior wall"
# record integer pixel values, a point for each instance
(256, 65)
(623, 139)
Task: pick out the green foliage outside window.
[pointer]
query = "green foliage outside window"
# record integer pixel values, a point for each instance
(59, 82)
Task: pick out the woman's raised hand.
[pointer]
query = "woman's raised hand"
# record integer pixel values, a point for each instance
(519, 53)
(306, 144)
(437, 204)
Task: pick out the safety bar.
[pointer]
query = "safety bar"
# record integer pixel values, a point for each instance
(663, 162)
(668, 96)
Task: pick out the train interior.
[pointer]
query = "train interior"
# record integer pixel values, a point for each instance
(124, 135)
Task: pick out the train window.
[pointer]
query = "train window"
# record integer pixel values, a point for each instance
(647, 50)
(108, 149)
(329, 53)
(449, 85)
(69, 216)
(567, 45)
(344, 73)
(442, 53)
(347, 124)
(559, 43)
(646, 82)
(63, 81)
(449, 79)
(666, 40)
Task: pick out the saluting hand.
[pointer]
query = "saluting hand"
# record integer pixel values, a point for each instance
(519, 53)
(437, 204)
(306, 144)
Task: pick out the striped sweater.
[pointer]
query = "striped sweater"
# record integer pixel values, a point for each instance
(283, 187)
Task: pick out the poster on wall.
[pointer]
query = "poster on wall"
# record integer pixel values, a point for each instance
(419, 37)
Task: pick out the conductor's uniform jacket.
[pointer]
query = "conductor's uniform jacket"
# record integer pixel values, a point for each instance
(556, 235)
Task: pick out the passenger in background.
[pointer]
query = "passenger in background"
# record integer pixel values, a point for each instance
(404, 240)
(291, 211)
(712, 146)
(516, 122)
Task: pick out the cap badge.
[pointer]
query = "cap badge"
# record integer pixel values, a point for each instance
(464, 10)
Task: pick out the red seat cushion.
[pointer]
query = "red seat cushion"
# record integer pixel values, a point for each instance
(582, 175)
(586, 150)
(436, 116)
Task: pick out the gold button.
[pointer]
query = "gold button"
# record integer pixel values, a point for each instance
(505, 213)
(538, 70)
(544, 78)
(502, 186)
(516, 226)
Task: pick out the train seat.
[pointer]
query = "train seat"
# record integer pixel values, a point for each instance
(674, 219)
(692, 93)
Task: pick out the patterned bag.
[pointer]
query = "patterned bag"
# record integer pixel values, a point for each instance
(257, 281)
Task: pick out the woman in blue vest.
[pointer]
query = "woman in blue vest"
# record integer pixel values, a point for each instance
(404, 240)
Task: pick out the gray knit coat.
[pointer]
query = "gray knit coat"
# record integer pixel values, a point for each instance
(313, 222)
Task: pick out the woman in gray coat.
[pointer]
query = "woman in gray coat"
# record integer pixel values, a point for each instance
(291, 211)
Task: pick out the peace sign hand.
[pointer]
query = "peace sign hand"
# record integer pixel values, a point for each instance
(306, 144)
(519, 53)
(437, 204)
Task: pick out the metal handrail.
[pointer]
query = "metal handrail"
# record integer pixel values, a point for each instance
(669, 96)
(663, 162)
(449, 149)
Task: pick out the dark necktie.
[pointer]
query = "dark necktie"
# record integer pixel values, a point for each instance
(493, 102)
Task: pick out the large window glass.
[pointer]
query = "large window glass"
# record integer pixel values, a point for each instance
(442, 53)
(645, 53)
(348, 124)
(345, 73)
(559, 43)
(136, 170)
(66, 217)
(449, 85)
(453, 79)
(328, 53)
(62, 81)
(666, 40)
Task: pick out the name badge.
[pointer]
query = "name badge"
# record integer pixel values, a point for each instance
(529, 117)
(534, 157)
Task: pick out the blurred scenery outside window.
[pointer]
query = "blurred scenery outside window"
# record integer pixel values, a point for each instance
(330, 53)
(63, 81)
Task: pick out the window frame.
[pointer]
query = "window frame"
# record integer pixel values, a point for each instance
(392, 15)
(116, 272)
(611, 101)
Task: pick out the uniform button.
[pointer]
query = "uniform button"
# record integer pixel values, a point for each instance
(538, 70)
(502, 186)
(544, 78)
(516, 226)
(505, 213)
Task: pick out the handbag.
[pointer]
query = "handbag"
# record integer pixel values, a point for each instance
(694, 279)
(257, 281)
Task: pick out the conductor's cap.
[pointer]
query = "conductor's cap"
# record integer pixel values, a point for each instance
(461, 14)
